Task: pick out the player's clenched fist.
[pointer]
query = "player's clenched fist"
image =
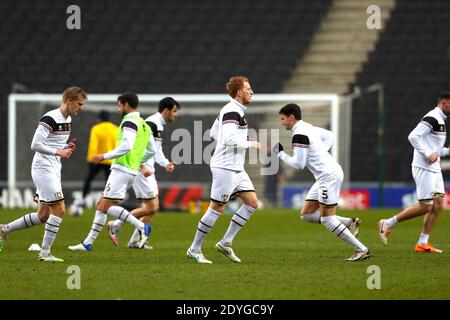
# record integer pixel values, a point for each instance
(146, 172)
(66, 153)
(278, 148)
(170, 167)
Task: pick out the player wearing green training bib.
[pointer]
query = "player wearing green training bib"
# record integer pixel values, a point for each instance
(135, 146)
(131, 161)
(147, 186)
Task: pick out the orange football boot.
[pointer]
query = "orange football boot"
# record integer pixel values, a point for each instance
(427, 248)
(383, 231)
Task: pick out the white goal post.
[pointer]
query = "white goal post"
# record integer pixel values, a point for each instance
(268, 103)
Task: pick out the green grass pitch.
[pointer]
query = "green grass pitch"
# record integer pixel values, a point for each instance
(282, 258)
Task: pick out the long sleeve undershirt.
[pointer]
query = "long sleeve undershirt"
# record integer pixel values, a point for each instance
(38, 142)
(416, 138)
(150, 151)
(128, 139)
(214, 130)
(160, 158)
(298, 159)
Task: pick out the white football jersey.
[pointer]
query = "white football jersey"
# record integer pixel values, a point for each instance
(230, 132)
(429, 137)
(156, 123)
(51, 135)
(311, 151)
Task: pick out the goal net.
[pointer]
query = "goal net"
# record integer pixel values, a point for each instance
(186, 141)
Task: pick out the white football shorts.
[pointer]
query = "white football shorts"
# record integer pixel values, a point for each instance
(227, 183)
(48, 185)
(327, 189)
(429, 184)
(145, 188)
(117, 185)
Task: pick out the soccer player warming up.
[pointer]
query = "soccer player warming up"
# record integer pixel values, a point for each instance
(148, 186)
(135, 146)
(311, 145)
(228, 175)
(428, 139)
(50, 144)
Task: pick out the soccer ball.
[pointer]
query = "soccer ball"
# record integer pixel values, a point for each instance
(75, 210)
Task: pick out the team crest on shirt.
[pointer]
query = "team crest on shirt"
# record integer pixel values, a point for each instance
(63, 127)
(152, 194)
(58, 195)
(224, 197)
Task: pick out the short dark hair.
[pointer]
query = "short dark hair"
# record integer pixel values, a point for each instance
(103, 115)
(293, 109)
(168, 103)
(129, 97)
(445, 95)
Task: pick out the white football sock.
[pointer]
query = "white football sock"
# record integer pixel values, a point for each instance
(97, 226)
(27, 221)
(238, 220)
(339, 229)
(51, 230)
(315, 218)
(391, 222)
(135, 237)
(423, 240)
(125, 216)
(204, 226)
(311, 217)
(346, 221)
(118, 224)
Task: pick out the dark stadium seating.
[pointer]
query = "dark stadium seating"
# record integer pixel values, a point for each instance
(412, 59)
(151, 46)
(194, 46)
